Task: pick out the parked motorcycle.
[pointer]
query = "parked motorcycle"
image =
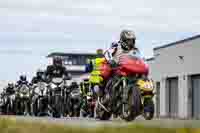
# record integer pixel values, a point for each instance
(40, 99)
(57, 88)
(23, 100)
(147, 87)
(88, 107)
(75, 102)
(122, 94)
(3, 102)
(10, 100)
(67, 101)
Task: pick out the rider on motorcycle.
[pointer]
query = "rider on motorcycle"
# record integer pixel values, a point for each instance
(3, 102)
(39, 77)
(22, 80)
(96, 81)
(74, 85)
(10, 89)
(93, 66)
(84, 85)
(24, 97)
(85, 90)
(56, 70)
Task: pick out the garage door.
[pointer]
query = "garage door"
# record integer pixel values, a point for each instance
(196, 96)
(172, 97)
(157, 99)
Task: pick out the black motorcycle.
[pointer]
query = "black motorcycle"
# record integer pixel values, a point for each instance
(67, 100)
(75, 103)
(56, 101)
(10, 100)
(88, 106)
(23, 100)
(40, 99)
(3, 103)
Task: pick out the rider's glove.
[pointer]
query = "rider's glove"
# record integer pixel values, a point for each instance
(113, 63)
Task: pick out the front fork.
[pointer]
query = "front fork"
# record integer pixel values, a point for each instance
(124, 90)
(148, 104)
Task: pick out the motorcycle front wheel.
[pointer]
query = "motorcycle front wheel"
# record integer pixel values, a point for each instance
(133, 108)
(148, 113)
(102, 114)
(57, 107)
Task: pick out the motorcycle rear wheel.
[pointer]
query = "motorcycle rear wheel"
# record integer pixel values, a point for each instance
(105, 115)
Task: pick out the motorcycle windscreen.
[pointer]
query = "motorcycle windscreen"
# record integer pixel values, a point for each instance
(57, 80)
(132, 65)
(24, 89)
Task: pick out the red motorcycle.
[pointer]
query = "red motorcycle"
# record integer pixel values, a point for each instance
(122, 96)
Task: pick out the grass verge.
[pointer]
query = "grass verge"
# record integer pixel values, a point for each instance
(11, 125)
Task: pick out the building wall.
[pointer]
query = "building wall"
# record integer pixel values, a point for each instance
(168, 59)
(167, 63)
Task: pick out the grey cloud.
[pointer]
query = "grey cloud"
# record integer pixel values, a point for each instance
(144, 15)
(36, 27)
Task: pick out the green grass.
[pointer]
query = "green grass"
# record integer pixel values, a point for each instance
(11, 125)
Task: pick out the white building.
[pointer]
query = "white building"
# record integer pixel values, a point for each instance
(175, 68)
(75, 63)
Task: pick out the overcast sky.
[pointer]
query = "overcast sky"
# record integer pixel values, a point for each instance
(30, 29)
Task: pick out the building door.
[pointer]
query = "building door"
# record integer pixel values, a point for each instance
(157, 99)
(195, 96)
(172, 97)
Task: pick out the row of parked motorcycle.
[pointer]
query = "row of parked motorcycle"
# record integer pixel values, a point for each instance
(59, 98)
(127, 93)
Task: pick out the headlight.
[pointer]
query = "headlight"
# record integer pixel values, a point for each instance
(75, 94)
(67, 83)
(12, 97)
(21, 95)
(149, 86)
(96, 89)
(41, 86)
(42, 89)
(68, 90)
(53, 86)
(57, 80)
(36, 90)
(89, 97)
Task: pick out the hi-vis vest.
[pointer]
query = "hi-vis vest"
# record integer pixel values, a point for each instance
(95, 74)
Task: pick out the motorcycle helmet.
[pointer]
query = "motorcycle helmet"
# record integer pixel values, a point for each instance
(39, 73)
(57, 61)
(23, 77)
(86, 84)
(99, 53)
(74, 85)
(127, 39)
(10, 85)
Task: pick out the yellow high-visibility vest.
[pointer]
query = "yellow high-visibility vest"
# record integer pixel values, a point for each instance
(95, 74)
